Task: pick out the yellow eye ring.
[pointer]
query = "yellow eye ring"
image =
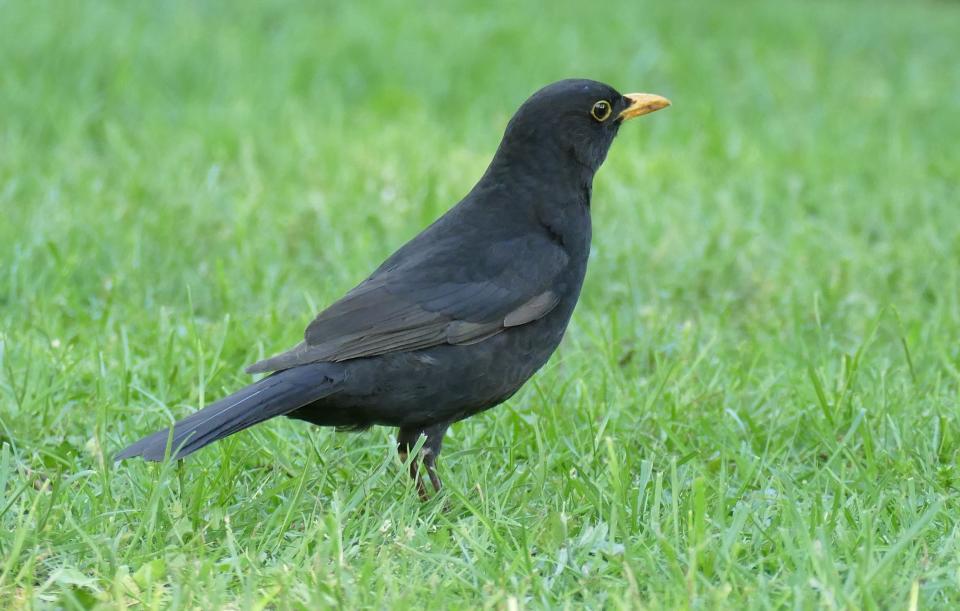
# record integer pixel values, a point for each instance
(601, 110)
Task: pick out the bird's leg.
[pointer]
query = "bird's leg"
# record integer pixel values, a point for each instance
(407, 440)
(404, 450)
(430, 462)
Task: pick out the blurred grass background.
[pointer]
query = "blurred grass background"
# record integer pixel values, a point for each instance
(756, 403)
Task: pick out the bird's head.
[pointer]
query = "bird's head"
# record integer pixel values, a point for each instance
(574, 121)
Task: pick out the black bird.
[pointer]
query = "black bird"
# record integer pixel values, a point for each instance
(459, 318)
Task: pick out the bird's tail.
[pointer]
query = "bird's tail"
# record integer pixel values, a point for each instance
(275, 395)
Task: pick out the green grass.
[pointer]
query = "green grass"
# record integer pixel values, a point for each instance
(756, 405)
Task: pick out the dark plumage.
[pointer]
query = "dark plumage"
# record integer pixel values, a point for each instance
(459, 318)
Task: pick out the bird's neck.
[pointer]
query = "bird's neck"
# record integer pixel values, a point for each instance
(547, 189)
(544, 172)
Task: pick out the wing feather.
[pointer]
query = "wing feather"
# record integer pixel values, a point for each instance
(442, 297)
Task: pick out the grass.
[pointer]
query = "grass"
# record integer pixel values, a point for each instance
(756, 405)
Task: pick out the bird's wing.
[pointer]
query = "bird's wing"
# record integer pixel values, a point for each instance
(442, 296)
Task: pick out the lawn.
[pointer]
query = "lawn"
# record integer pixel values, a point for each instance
(755, 406)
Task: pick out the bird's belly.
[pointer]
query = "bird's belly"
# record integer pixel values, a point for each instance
(441, 384)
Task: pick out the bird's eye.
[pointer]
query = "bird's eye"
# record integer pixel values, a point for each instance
(601, 110)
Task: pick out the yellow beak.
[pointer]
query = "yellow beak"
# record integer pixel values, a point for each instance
(642, 104)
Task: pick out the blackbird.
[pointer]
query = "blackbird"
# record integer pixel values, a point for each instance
(460, 317)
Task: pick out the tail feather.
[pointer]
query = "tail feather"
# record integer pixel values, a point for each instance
(275, 395)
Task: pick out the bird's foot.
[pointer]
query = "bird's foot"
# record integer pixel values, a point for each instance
(407, 440)
(429, 460)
